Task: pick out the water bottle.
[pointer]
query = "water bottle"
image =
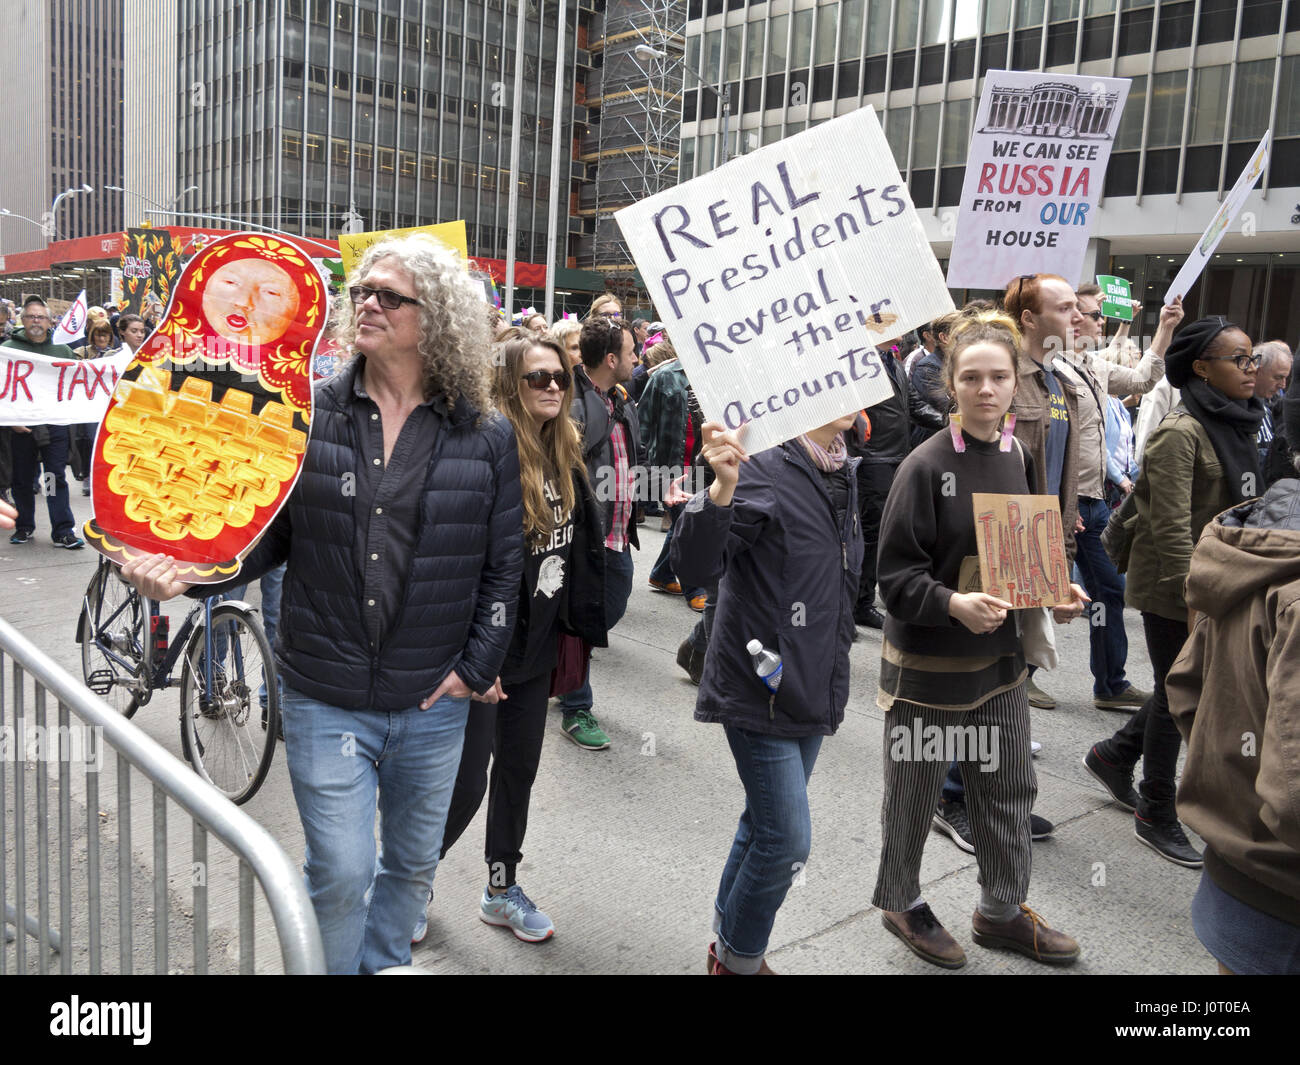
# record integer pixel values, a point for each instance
(767, 664)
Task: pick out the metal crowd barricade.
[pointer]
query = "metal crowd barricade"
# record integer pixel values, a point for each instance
(259, 857)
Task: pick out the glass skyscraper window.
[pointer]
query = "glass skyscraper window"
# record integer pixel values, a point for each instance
(1165, 124)
(851, 28)
(1252, 99)
(801, 45)
(1209, 98)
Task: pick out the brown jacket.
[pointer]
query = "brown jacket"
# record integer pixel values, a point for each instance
(1031, 407)
(1234, 693)
(1181, 487)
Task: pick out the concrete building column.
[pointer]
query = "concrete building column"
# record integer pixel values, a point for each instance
(1095, 261)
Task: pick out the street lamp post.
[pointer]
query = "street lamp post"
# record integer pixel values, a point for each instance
(645, 51)
(174, 200)
(48, 218)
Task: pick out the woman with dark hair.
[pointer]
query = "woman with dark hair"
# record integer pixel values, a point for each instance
(561, 589)
(1199, 461)
(953, 662)
(783, 530)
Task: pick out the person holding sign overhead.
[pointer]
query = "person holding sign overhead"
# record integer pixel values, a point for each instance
(778, 533)
(953, 662)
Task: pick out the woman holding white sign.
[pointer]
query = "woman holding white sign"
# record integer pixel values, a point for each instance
(952, 671)
(785, 529)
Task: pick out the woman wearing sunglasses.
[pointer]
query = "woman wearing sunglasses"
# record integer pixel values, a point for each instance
(1198, 462)
(562, 588)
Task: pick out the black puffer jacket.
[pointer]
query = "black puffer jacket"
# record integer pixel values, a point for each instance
(462, 591)
(790, 581)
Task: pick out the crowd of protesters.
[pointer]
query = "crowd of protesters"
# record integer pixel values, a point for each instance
(1172, 469)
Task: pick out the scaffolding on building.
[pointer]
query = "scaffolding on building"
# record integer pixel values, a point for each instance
(635, 147)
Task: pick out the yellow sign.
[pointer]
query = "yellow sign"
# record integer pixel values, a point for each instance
(353, 245)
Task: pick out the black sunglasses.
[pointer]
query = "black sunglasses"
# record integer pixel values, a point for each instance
(1096, 316)
(540, 380)
(388, 299)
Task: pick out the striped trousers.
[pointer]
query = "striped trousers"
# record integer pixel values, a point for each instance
(991, 743)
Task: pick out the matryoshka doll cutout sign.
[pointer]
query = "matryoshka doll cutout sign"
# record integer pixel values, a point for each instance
(207, 429)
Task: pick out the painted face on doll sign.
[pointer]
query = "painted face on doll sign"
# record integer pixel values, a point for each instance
(207, 429)
(250, 301)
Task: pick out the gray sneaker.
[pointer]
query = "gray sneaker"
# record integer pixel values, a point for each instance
(516, 911)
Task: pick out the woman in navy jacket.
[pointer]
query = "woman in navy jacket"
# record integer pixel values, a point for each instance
(782, 540)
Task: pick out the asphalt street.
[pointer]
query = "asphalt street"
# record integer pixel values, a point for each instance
(625, 845)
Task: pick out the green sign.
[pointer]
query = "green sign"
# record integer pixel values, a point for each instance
(1116, 297)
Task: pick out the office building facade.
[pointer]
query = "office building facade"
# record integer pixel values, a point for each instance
(61, 81)
(1208, 77)
(323, 116)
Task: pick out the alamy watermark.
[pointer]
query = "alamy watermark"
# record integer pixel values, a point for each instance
(53, 743)
(967, 744)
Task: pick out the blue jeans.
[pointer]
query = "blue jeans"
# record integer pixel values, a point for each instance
(28, 460)
(662, 570)
(618, 588)
(1105, 585)
(771, 845)
(338, 760)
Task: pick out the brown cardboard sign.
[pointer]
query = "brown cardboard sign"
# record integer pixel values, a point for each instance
(1022, 549)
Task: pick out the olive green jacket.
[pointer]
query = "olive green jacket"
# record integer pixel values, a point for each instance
(1180, 489)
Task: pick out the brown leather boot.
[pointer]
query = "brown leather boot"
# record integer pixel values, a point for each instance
(1027, 934)
(924, 936)
(716, 968)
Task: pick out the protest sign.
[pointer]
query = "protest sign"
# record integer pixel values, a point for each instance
(1021, 549)
(207, 428)
(778, 274)
(1228, 209)
(150, 263)
(1034, 172)
(72, 325)
(38, 390)
(1116, 297)
(353, 245)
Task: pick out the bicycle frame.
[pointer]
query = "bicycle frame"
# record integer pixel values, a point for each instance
(107, 651)
(162, 672)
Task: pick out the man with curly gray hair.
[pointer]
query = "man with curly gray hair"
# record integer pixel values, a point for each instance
(403, 537)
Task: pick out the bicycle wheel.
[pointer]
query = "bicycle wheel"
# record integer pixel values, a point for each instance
(114, 642)
(230, 707)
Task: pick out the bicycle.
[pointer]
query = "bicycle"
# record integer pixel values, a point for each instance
(229, 719)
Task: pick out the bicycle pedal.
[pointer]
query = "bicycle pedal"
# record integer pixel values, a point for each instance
(100, 681)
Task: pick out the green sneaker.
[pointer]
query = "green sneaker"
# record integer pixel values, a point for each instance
(582, 728)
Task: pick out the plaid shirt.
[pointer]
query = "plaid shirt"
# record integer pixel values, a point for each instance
(617, 538)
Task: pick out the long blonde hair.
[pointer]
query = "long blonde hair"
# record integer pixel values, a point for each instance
(554, 450)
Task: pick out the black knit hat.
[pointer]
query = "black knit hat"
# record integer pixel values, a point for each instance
(1189, 344)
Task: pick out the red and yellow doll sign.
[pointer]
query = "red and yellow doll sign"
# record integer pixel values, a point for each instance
(207, 429)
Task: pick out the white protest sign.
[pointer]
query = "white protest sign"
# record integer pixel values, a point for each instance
(38, 390)
(777, 274)
(1034, 172)
(72, 326)
(1228, 209)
